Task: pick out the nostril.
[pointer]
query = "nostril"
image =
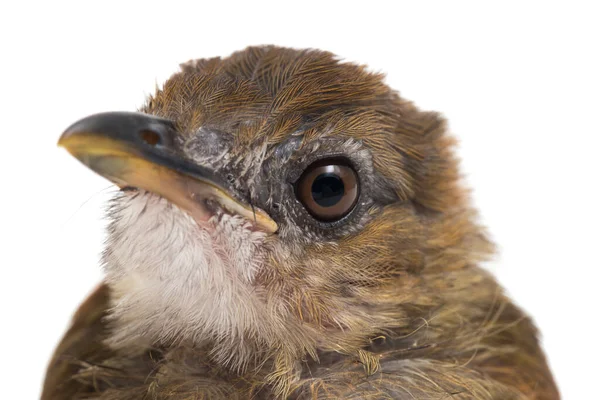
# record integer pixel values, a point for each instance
(150, 137)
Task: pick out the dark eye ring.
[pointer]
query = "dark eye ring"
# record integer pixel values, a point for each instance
(328, 190)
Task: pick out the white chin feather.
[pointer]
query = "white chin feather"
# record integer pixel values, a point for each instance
(174, 281)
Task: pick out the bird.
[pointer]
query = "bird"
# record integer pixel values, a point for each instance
(287, 226)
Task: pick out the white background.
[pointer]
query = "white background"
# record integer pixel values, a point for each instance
(519, 84)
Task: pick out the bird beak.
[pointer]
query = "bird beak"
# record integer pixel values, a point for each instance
(137, 150)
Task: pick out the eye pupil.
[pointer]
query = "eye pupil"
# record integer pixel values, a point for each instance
(327, 189)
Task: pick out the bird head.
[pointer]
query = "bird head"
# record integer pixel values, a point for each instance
(275, 203)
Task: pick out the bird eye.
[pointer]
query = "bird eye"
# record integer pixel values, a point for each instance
(328, 190)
